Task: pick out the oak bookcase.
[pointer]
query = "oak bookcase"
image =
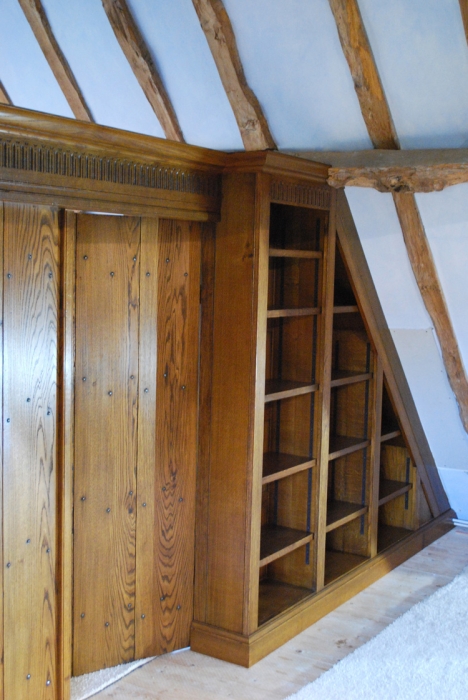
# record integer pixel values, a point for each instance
(309, 486)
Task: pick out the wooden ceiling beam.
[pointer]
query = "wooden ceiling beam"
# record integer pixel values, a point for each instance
(376, 113)
(367, 83)
(4, 96)
(464, 14)
(138, 55)
(37, 18)
(429, 170)
(425, 272)
(218, 30)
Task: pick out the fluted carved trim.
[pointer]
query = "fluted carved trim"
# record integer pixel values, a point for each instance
(300, 195)
(41, 158)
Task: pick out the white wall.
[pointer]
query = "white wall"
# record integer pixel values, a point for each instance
(445, 216)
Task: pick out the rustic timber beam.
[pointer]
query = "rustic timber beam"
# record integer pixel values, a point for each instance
(137, 53)
(464, 13)
(429, 170)
(39, 23)
(4, 96)
(427, 279)
(218, 30)
(378, 118)
(367, 83)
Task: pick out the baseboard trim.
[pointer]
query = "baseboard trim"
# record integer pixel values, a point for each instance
(246, 650)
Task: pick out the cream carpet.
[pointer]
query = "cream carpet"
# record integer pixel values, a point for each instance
(423, 655)
(83, 687)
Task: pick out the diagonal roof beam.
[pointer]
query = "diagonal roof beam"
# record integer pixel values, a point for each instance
(218, 30)
(425, 271)
(464, 14)
(37, 18)
(4, 96)
(367, 83)
(378, 118)
(136, 51)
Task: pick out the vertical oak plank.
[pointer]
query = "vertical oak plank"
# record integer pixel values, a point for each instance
(107, 320)
(176, 428)
(66, 451)
(208, 252)
(147, 606)
(31, 249)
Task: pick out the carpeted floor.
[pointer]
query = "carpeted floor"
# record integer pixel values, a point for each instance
(83, 687)
(423, 655)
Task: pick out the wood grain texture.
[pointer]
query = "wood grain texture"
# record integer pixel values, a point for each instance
(400, 179)
(37, 18)
(4, 96)
(147, 606)
(208, 253)
(176, 429)
(139, 57)
(427, 279)
(66, 433)
(107, 315)
(367, 83)
(31, 279)
(218, 30)
(230, 460)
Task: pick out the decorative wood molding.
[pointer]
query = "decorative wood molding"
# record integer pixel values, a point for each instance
(37, 18)
(218, 30)
(4, 96)
(464, 14)
(284, 192)
(137, 53)
(367, 83)
(43, 158)
(395, 171)
(425, 272)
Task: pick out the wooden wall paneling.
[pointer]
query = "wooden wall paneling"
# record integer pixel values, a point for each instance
(31, 284)
(147, 605)
(66, 417)
(179, 257)
(2, 506)
(324, 378)
(208, 253)
(107, 320)
(383, 342)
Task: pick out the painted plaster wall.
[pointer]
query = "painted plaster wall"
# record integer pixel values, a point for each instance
(445, 216)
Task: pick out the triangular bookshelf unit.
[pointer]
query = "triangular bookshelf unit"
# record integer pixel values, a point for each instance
(317, 477)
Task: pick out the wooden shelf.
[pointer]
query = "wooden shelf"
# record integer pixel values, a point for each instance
(287, 313)
(293, 253)
(346, 309)
(340, 445)
(389, 435)
(278, 465)
(341, 512)
(338, 564)
(343, 378)
(276, 541)
(388, 535)
(390, 489)
(276, 596)
(276, 389)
